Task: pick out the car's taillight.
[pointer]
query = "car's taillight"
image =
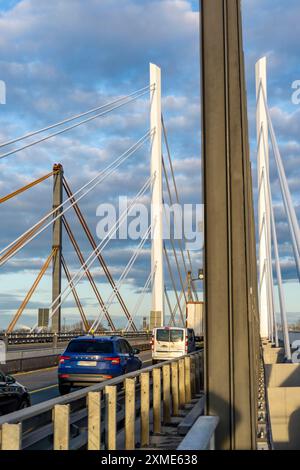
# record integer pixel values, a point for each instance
(152, 343)
(63, 359)
(186, 346)
(113, 360)
(64, 376)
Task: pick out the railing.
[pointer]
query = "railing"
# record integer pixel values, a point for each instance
(24, 338)
(93, 418)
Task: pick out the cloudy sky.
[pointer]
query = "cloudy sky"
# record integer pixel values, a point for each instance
(64, 57)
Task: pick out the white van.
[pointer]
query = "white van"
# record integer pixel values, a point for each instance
(171, 342)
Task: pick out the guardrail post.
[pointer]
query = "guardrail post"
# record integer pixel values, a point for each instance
(111, 416)
(175, 394)
(193, 375)
(188, 394)
(94, 420)
(61, 421)
(11, 435)
(181, 383)
(55, 340)
(156, 400)
(129, 414)
(145, 408)
(5, 339)
(166, 394)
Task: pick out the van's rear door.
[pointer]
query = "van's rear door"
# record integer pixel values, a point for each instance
(162, 340)
(170, 340)
(177, 340)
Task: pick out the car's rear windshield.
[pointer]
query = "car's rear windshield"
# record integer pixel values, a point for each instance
(90, 346)
(173, 336)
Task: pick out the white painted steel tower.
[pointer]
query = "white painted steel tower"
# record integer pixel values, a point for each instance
(266, 306)
(157, 312)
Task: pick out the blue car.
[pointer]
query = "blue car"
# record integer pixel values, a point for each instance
(90, 359)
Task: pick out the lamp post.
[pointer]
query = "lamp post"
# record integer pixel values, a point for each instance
(190, 280)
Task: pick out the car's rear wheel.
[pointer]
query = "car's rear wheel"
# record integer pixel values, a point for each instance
(24, 404)
(64, 389)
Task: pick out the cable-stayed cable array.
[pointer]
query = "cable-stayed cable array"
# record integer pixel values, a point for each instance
(59, 212)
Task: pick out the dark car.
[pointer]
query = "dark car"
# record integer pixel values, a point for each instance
(13, 396)
(90, 359)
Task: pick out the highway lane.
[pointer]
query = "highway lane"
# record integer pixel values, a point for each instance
(42, 384)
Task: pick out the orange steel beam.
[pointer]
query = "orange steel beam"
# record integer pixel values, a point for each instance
(87, 272)
(24, 188)
(30, 292)
(76, 297)
(99, 256)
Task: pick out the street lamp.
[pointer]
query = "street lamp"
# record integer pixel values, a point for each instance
(190, 280)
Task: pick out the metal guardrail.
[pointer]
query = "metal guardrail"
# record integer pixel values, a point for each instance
(25, 338)
(90, 418)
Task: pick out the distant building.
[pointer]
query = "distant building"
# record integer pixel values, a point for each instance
(145, 324)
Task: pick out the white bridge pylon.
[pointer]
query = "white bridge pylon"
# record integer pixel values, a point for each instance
(266, 219)
(157, 310)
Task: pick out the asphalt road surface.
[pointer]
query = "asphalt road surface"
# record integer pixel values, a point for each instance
(42, 384)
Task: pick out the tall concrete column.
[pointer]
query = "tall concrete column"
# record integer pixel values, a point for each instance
(157, 312)
(230, 295)
(57, 243)
(264, 221)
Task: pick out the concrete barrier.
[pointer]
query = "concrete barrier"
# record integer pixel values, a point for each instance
(27, 360)
(282, 375)
(284, 406)
(283, 394)
(273, 355)
(34, 362)
(201, 435)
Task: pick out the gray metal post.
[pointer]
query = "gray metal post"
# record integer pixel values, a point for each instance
(231, 318)
(57, 243)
